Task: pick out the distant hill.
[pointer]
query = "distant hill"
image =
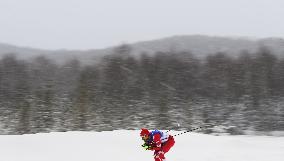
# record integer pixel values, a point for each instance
(198, 45)
(201, 46)
(60, 56)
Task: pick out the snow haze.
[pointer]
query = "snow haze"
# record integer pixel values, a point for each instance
(125, 145)
(89, 24)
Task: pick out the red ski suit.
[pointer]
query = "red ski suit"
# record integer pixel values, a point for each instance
(161, 146)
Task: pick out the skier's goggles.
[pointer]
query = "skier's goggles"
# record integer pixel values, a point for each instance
(144, 137)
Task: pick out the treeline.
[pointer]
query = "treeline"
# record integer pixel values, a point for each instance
(157, 91)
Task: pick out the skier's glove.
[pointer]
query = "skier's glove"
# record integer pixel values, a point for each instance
(146, 147)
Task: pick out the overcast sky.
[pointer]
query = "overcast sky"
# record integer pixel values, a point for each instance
(89, 24)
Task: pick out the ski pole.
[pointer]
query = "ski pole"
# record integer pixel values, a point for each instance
(185, 132)
(189, 131)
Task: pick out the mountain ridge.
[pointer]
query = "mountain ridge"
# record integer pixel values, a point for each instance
(199, 45)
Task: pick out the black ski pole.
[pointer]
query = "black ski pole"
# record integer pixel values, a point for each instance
(185, 132)
(189, 131)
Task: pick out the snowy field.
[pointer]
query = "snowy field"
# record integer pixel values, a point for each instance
(123, 145)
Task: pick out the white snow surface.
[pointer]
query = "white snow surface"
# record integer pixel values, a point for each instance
(125, 145)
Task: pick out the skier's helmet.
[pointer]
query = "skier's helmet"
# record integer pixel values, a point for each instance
(144, 132)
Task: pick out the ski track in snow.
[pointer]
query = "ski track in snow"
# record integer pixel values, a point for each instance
(125, 145)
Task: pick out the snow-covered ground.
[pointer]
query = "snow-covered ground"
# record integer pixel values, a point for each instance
(124, 145)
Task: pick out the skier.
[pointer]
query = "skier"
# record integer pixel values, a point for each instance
(157, 141)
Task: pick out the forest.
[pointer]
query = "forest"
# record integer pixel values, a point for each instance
(237, 93)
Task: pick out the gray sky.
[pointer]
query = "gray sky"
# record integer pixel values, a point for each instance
(89, 24)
